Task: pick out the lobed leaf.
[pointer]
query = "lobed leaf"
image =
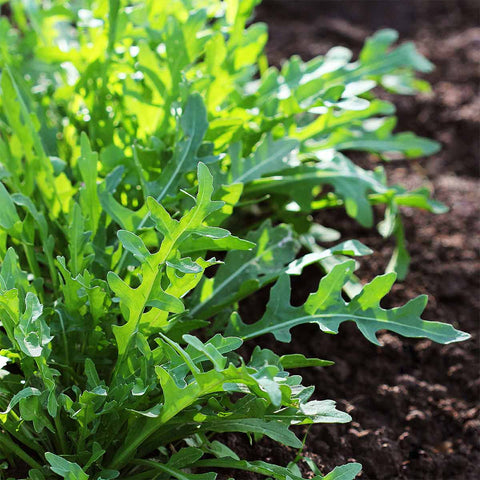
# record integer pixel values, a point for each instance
(328, 310)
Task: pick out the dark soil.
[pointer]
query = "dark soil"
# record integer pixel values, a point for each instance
(415, 405)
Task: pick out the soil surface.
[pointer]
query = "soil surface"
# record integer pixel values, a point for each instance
(415, 405)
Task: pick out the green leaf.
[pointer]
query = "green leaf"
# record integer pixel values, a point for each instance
(133, 244)
(26, 202)
(297, 360)
(26, 392)
(64, 468)
(81, 251)
(150, 292)
(275, 430)
(32, 333)
(185, 265)
(350, 182)
(212, 350)
(8, 213)
(345, 472)
(209, 350)
(194, 125)
(185, 457)
(257, 467)
(123, 216)
(246, 271)
(179, 474)
(349, 247)
(323, 411)
(10, 271)
(38, 168)
(420, 199)
(269, 156)
(201, 244)
(377, 45)
(89, 199)
(177, 399)
(376, 52)
(328, 310)
(376, 139)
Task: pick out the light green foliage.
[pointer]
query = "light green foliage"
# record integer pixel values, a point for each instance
(136, 141)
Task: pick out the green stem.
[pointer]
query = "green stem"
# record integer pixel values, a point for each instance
(21, 432)
(61, 435)
(10, 446)
(149, 429)
(230, 463)
(82, 438)
(32, 260)
(64, 338)
(51, 267)
(145, 475)
(119, 460)
(114, 7)
(157, 466)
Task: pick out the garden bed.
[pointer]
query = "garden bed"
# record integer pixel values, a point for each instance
(118, 348)
(414, 404)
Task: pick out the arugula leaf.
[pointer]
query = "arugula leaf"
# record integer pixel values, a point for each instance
(194, 125)
(269, 156)
(344, 472)
(64, 468)
(244, 272)
(8, 213)
(262, 468)
(88, 196)
(328, 310)
(349, 181)
(150, 293)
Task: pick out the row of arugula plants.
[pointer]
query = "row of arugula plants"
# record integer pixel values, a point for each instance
(141, 142)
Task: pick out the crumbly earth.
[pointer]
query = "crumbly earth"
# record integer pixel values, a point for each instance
(415, 405)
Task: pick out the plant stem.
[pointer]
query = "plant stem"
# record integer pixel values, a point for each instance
(26, 437)
(51, 267)
(156, 466)
(32, 260)
(113, 9)
(64, 336)
(11, 446)
(145, 475)
(218, 463)
(61, 435)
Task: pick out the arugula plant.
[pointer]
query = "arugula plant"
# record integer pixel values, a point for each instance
(138, 144)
